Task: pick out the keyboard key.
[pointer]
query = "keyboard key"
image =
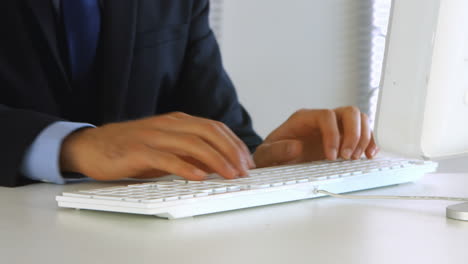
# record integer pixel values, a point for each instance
(77, 195)
(259, 186)
(233, 188)
(220, 189)
(276, 184)
(152, 200)
(290, 182)
(302, 180)
(171, 198)
(186, 196)
(108, 197)
(201, 194)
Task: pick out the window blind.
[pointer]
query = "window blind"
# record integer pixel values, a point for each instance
(381, 15)
(339, 44)
(216, 18)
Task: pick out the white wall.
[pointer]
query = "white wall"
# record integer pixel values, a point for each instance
(286, 55)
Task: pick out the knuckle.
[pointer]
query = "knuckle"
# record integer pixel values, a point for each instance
(212, 127)
(221, 125)
(192, 140)
(178, 114)
(353, 110)
(327, 112)
(301, 112)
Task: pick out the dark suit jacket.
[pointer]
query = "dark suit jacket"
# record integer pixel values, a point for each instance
(155, 56)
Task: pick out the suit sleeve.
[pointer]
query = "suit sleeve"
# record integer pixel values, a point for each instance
(19, 129)
(205, 89)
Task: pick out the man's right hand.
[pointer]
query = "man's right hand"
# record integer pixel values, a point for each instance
(154, 147)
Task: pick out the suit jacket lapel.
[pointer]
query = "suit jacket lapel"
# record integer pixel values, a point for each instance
(46, 21)
(116, 54)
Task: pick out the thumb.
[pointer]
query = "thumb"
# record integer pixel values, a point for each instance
(277, 153)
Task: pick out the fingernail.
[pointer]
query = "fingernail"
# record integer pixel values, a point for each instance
(374, 152)
(234, 173)
(245, 168)
(346, 153)
(245, 164)
(333, 154)
(253, 165)
(252, 162)
(357, 153)
(200, 173)
(243, 174)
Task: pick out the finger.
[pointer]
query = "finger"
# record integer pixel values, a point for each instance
(192, 146)
(151, 175)
(278, 152)
(247, 160)
(372, 150)
(350, 118)
(305, 123)
(197, 164)
(330, 133)
(163, 161)
(365, 137)
(212, 132)
(241, 145)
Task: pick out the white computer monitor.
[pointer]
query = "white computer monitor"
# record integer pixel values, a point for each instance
(423, 102)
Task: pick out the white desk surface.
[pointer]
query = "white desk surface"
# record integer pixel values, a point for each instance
(327, 230)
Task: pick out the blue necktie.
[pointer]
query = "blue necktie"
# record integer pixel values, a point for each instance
(82, 22)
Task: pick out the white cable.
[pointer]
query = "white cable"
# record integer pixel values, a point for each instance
(387, 197)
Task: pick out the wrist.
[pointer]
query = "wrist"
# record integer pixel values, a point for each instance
(70, 150)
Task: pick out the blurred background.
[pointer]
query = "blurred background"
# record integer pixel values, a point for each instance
(287, 55)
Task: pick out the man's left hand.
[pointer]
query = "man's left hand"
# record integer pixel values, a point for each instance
(310, 135)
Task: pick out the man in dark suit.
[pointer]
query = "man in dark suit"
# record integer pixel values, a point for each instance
(136, 88)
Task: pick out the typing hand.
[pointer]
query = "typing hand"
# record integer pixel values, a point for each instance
(310, 135)
(174, 143)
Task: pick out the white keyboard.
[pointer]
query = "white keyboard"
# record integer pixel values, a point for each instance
(181, 198)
